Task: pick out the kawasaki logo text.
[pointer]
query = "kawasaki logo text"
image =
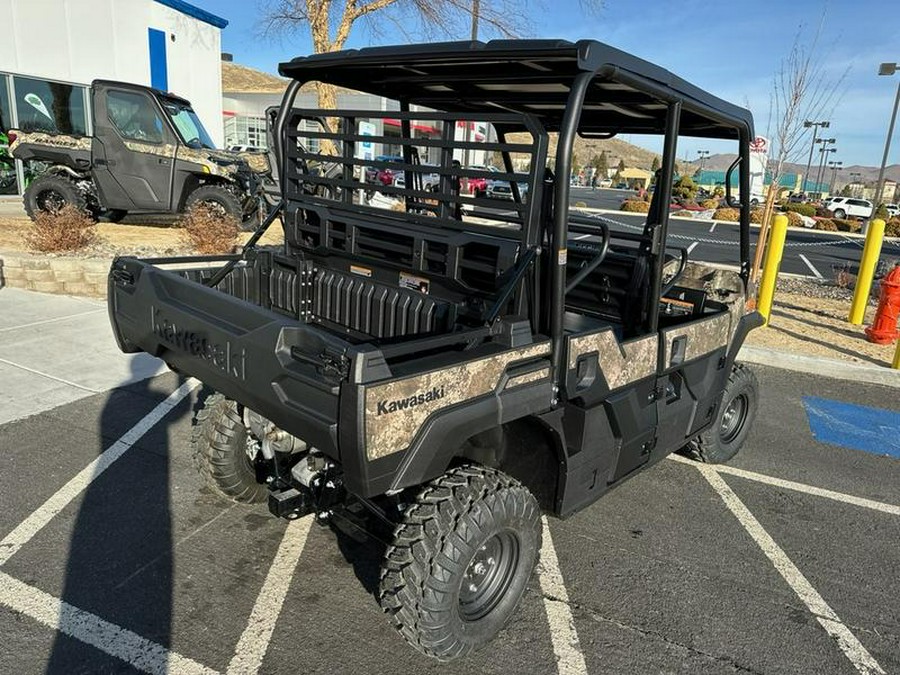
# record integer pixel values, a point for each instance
(220, 356)
(386, 406)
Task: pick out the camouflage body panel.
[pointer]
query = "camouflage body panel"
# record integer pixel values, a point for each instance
(703, 336)
(721, 285)
(396, 410)
(257, 161)
(621, 364)
(528, 378)
(63, 141)
(159, 149)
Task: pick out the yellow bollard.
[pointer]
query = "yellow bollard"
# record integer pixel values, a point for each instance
(774, 252)
(896, 364)
(871, 252)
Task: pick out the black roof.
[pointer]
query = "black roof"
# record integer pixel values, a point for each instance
(141, 87)
(528, 76)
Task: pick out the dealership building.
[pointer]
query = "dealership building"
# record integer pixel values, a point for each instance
(53, 49)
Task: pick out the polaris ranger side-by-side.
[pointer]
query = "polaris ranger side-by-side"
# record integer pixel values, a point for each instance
(149, 153)
(456, 364)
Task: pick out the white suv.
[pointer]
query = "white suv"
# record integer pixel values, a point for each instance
(841, 207)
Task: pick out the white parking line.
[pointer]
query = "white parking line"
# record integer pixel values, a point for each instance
(251, 648)
(50, 377)
(811, 266)
(33, 524)
(826, 616)
(692, 246)
(55, 319)
(891, 509)
(712, 228)
(569, 659)
(91, 629)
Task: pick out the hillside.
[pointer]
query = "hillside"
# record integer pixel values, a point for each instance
(585, 149)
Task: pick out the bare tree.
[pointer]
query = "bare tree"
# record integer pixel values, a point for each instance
(330, 22)
(802, 90)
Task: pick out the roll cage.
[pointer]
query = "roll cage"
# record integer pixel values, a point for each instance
(539, 87)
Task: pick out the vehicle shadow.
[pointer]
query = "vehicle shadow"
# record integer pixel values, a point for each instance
(827, 345)
(363, 542)
(119, 564)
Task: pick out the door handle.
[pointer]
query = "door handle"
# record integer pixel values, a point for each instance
(679, 350)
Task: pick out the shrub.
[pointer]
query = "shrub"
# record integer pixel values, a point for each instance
(826, 225)
(847, 225)
(710, 203)
(727, 213)
(822, 212)
(684, 213)
(794, 219)
(892, 227)
(66, 229)
(209, 231)
(719, 192)
(635, 206)
(881, 212)
(802, 209)
(756, 216)
(684, 188)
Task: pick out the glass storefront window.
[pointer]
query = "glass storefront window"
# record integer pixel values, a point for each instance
(7, 165)
(49, 106)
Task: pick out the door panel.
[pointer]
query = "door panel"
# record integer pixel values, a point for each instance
(134, 150)
(692, 367)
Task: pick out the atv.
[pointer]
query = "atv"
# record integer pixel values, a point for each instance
(149, 153)
(455, 365)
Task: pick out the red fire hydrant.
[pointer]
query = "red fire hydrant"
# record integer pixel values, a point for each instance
(883, 330)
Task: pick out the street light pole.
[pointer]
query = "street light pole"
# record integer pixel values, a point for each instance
(886, 69)
(835, 167)
(823, 153)
(815, 125)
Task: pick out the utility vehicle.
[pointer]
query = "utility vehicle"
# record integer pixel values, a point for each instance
(457, 365)
(148, 153)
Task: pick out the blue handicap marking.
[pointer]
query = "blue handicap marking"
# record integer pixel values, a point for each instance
(857, 427)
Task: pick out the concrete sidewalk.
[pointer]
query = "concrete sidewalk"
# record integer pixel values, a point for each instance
(57, 349)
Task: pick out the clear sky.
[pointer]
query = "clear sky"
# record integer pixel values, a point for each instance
(723, 47)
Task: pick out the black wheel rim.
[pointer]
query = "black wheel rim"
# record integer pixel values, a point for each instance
(50, 200)
(488, 576)
(733, 418)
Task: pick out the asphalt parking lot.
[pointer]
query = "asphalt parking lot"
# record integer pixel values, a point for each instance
(114, 558)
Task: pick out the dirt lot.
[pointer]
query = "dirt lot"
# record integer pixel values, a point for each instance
(801, 322)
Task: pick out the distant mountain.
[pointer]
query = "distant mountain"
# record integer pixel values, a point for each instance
(868, 174)
(587, 148)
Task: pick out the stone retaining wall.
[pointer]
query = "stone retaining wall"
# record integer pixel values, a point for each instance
(47, 274)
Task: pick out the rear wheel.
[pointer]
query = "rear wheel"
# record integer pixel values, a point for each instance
(460, 561)
(740, 400)
(225, 453)
(51, 192)
(840, 214)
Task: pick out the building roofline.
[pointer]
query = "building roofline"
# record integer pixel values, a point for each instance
(195, 12)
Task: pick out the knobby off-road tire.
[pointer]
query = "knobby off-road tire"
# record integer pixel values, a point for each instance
(740, 400)
(220, 198)
(52, 192)
(219, 449)
(115, 215)
(460, 561)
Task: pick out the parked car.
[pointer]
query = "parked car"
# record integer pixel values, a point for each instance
(621, 186)
(478, 186)
(384, 176)
(842, 207)
(502, 189)
(797, 198)
(430, 180)
(893, 210)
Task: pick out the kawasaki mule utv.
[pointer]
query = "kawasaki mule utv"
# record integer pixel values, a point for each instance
(148, 153)
(458, 364)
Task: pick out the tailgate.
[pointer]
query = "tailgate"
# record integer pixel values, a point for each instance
(280, 367)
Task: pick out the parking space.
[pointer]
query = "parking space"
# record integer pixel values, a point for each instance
(784, 562)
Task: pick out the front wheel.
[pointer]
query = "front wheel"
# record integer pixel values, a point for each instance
(460, 561)
(219, 199)
(740, 401)
(840, 214)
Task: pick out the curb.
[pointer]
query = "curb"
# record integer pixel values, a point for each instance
(816, 365)
(851, 235)
(59, 275)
